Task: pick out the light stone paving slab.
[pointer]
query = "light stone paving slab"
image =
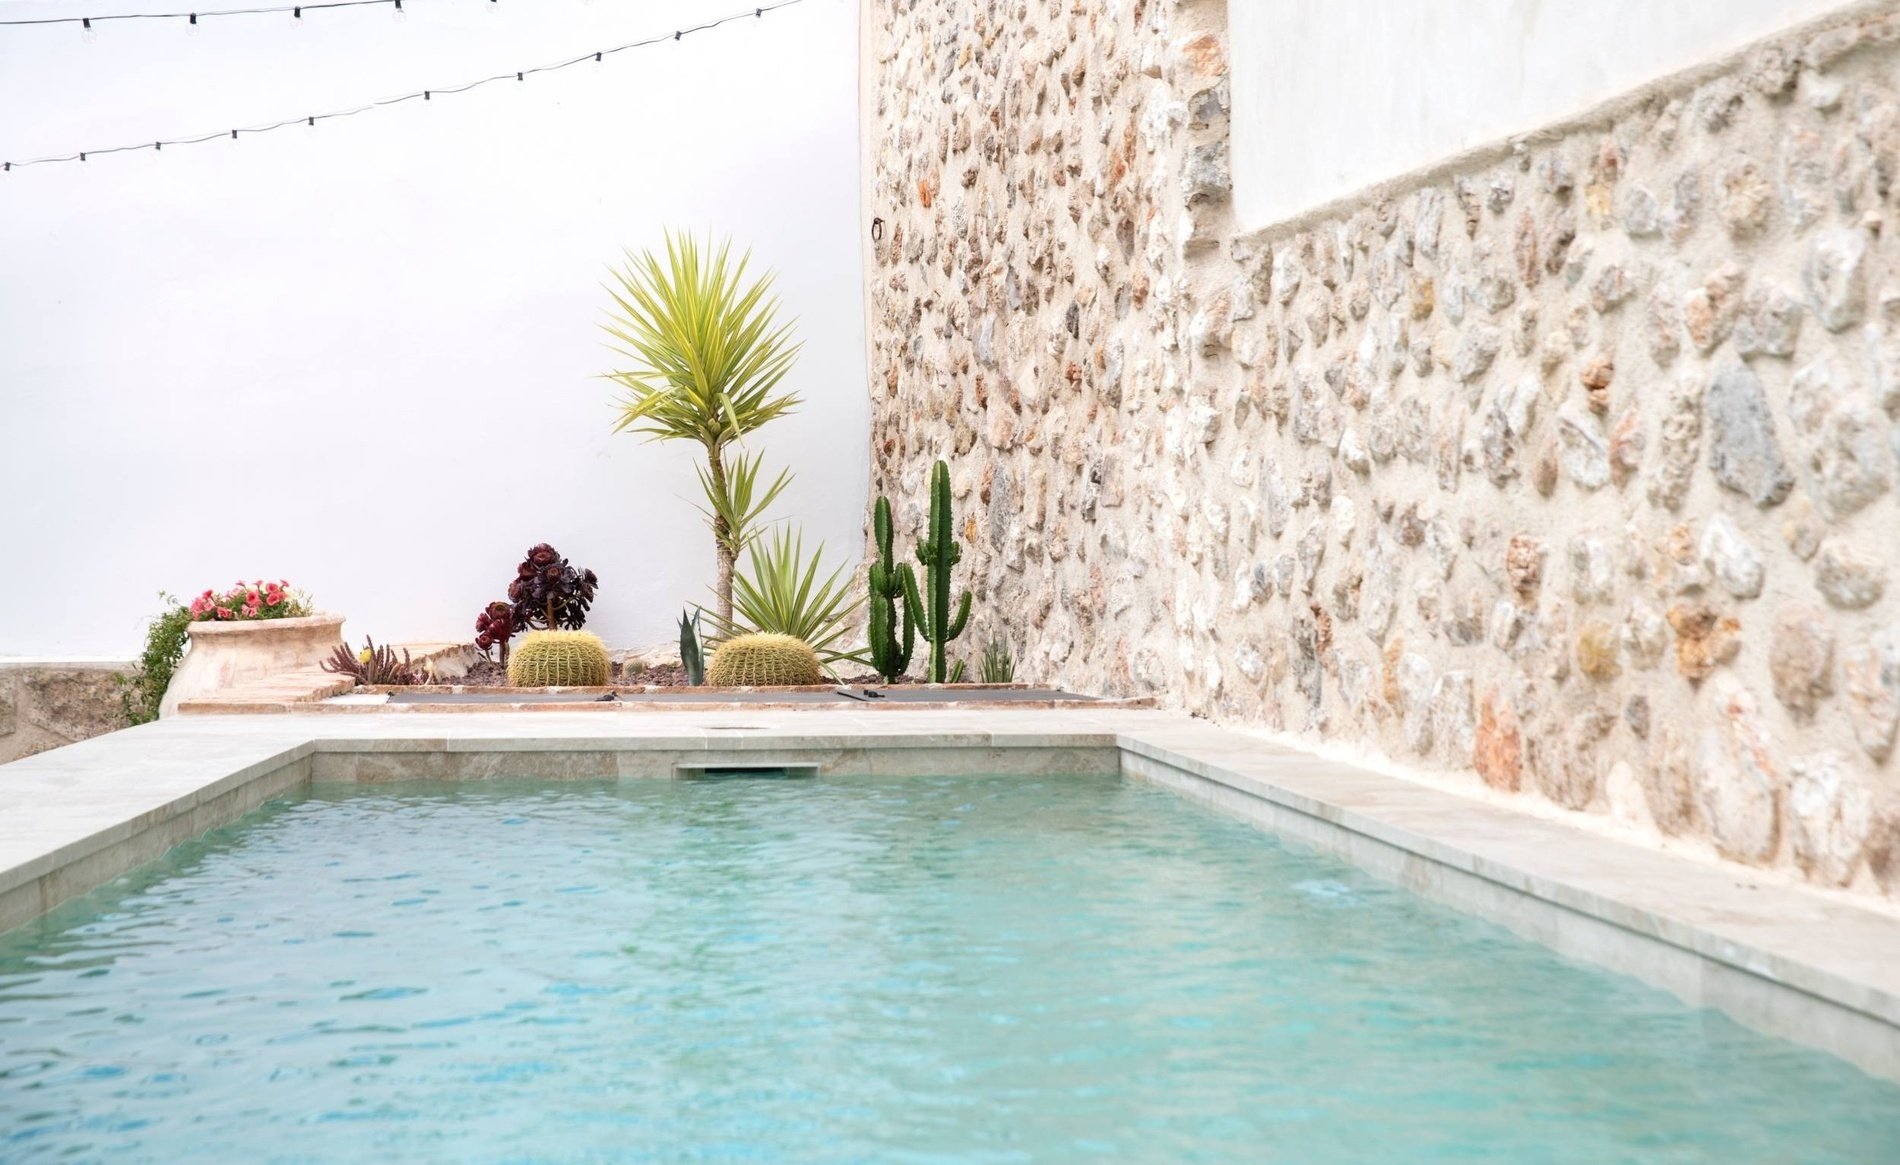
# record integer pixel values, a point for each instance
(1809, 966)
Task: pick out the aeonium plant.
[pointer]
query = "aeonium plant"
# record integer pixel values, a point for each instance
(494, 627)
(251, 600)
(549, 593)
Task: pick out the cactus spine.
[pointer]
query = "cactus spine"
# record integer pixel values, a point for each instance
(764, 660)
(890, 652)
(938, 553)
(559, 659)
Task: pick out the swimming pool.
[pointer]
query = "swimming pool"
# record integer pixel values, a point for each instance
(955, 969)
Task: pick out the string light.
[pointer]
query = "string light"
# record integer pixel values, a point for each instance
(296, 12)
(312, 119)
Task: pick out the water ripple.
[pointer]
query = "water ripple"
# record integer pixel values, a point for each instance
(962, 970)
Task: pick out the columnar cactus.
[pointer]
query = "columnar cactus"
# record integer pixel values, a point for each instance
(938, 553)
(890, 652)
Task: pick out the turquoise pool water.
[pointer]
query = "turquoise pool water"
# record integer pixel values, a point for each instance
(971, 969)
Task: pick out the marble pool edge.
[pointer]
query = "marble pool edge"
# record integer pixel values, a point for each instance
(1806, 966)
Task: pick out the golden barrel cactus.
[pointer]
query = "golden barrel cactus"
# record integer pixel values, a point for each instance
(559, 659)
(764, 661)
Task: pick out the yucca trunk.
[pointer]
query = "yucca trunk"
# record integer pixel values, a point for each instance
(725, 554)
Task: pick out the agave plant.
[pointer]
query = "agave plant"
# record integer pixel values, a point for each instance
(706, 356)
(782, 592)
(692, 649)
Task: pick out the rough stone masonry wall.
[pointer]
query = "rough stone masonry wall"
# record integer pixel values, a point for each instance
(1569, 465)
(46, 704)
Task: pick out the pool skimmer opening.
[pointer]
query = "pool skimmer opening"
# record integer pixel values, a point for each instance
(721, 772)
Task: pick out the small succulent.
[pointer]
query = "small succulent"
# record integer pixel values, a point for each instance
(998, 665)
(549, 593)
(495, 627)
(692, 649)
(375, 665)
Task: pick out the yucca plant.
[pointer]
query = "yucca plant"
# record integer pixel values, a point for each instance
(736, 502)
(706, 358)
(781, 592)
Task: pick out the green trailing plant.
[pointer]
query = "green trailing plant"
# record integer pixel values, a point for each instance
(764, 661)
(165, 637)
(997, 666)
(706, 357)
(692, 654)
(890, 649)
(375, 665)
(785, 592)
(560, 659)
(938, 553)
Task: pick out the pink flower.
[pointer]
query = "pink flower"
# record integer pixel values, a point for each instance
(225, 613)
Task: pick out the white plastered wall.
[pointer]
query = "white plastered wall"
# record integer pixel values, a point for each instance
(1332, 97)
(362, 356)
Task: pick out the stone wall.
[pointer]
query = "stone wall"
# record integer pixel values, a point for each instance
(1567, 465)
(46, 704)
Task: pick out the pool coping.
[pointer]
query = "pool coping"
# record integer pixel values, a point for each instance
(1806, 965)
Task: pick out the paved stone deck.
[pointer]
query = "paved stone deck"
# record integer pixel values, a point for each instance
(1806, 965)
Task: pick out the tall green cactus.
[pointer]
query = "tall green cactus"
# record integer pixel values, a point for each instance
(890, 653)
(938, 553)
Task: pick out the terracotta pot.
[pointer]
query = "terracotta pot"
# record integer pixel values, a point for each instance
(239, 651)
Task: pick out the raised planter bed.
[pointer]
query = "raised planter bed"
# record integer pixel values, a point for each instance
(248, 652)
(466, 698)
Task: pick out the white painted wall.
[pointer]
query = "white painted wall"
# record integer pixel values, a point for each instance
(360, 355)
(1332, 97)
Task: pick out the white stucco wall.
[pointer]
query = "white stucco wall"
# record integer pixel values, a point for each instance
(1332, 97)
(361, 355)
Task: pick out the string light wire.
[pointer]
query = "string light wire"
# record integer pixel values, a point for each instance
(295, 10)
(311, 119)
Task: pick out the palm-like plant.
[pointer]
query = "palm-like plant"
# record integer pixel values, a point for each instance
(707, 357)
(782, 592)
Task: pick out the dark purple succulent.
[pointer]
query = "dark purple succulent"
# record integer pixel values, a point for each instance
(495, 626)
(550, 593)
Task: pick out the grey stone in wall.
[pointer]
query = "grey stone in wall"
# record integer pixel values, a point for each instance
(1577, 461)
(46, 704)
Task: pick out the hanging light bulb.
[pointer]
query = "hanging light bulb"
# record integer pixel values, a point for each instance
(87, 33)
